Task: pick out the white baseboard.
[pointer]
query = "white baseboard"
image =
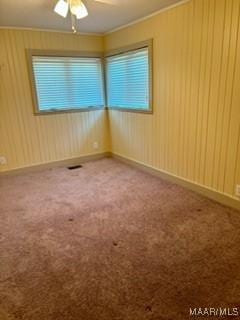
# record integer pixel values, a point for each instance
(203, 190)
(56, 164)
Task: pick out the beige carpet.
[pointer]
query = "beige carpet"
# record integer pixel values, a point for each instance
(109, 242)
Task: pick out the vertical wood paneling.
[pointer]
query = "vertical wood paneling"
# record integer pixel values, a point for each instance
(26, 139)
(194, 131)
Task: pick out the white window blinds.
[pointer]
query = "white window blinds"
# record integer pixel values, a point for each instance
(65, 83)
(128, 80)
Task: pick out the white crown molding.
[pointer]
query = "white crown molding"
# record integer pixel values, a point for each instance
(103, 33)
(52, 30)
(147, 17)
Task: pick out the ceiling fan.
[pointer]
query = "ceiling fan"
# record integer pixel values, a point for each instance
(76, 8)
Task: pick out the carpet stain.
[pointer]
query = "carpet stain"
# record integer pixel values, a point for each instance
(148, 308)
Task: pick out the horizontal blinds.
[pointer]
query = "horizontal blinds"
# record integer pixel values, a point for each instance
(128, 80)
(68, 82)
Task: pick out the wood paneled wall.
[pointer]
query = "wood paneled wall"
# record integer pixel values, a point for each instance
(194, 132)
(26, 139)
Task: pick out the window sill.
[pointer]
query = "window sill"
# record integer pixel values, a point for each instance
(150, 111)
(45, 113)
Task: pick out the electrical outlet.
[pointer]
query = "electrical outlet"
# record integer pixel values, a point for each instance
(238, 190)
(95, 145)
(3, 160)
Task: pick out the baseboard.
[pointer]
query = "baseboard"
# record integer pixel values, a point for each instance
(56, 164)
(203, 190)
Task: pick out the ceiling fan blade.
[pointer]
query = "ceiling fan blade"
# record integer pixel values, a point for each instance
(111, 2)
(61, 8)
(78, 8)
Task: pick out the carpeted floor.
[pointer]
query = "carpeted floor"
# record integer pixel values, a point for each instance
(109, 242)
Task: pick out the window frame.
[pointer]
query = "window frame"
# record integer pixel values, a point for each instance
(122, 50)
(61, 53)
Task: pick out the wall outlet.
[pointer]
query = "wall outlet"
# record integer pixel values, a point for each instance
(95, 145)
(238, 190)
(3, 160)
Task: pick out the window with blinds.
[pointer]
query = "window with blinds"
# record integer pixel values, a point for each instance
(67, 83)
(129, 80)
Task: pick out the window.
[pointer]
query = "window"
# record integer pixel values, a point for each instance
(69, 81)
(64, 83)
(129, 78)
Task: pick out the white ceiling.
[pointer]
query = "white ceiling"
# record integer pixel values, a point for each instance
(102, 18)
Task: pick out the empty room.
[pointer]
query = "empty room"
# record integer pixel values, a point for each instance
(119, 159)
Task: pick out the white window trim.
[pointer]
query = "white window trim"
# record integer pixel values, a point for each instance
(56, 53)
(144, 44)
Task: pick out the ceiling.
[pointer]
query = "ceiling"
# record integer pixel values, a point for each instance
(38, 14)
